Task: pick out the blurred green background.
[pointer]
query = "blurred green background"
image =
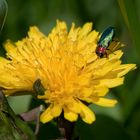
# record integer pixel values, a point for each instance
(118, 123)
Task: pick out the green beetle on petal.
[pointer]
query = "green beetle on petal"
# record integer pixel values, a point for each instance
(106, 38)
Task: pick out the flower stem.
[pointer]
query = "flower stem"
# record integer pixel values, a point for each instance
(65, 127)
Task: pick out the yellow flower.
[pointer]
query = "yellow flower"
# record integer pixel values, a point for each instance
(68, 67)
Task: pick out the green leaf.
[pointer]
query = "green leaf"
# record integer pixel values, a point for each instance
(104, 128)
(3, 13)
(131, 18)
(11, 126)
(48, 131)
(133, 122)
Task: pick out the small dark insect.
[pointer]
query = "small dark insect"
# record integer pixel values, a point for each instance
(106, 38)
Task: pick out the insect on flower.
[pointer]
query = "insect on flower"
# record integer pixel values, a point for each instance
(105, 41)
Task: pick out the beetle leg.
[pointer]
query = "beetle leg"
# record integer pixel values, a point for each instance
(106, 56)
(111, 51)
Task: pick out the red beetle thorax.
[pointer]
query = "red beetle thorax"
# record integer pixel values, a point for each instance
(101, 49)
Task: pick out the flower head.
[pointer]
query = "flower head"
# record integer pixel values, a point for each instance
(68, 67)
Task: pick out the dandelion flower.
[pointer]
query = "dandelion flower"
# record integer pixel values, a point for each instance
(68, 67)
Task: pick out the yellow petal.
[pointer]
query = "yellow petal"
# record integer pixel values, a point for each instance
(35, 33)
(85, 30)
(91, 37)
(69, 115)
(86, 114)
(61, 25)
(86, 92)
(60, 28)
(84, 79)
(116, 55)
(73, 106)
(11, 50)
(124, 69)
(100, 90)
(46, 115)
(101, 72)
(51, 112)
(104, 102)
(110, 83)
(56, 110)
(73, 33)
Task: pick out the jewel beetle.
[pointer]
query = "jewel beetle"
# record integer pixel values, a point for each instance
(106, 38)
